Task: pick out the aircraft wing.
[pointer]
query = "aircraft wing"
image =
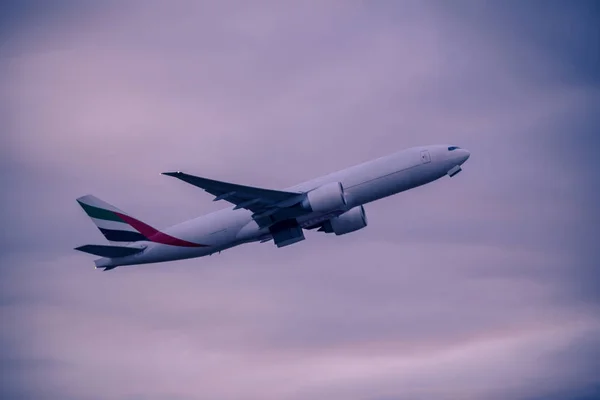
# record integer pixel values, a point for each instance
(262, 202)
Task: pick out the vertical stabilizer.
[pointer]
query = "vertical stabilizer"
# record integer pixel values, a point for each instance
(110, 221)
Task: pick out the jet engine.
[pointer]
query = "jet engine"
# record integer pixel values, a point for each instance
(350, 221)
(326, 198)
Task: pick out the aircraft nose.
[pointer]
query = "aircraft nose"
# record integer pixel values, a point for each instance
(464, 155)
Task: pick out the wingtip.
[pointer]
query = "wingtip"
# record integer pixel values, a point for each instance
(171, 173)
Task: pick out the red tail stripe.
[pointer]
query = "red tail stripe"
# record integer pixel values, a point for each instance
(156, 236)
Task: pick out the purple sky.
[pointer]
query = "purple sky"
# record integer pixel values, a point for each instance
(484, 286)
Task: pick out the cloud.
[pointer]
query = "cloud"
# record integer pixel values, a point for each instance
(480, 286)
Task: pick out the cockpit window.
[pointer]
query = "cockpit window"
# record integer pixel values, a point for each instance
(453, 148)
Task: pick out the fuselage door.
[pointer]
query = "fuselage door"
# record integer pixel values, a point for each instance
(425, 156)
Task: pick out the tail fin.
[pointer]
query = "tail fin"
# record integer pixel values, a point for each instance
(114, 224)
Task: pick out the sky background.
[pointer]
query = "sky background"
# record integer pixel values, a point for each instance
(484, 286)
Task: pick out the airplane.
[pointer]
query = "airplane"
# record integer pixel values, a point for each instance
(333, 203)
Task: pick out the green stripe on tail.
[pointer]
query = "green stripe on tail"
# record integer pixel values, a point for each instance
(99, 213)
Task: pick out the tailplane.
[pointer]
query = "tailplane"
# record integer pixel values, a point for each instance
(115, 225)
(109, 251)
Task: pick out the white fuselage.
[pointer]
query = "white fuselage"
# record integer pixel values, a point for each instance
(363, 183)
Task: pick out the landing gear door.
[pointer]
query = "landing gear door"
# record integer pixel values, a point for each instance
(425, 156)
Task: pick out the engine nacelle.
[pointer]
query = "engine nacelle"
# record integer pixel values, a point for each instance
(350, 221)
(326, 198)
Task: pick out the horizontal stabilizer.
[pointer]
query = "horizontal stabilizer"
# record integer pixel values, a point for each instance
(108, 251)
